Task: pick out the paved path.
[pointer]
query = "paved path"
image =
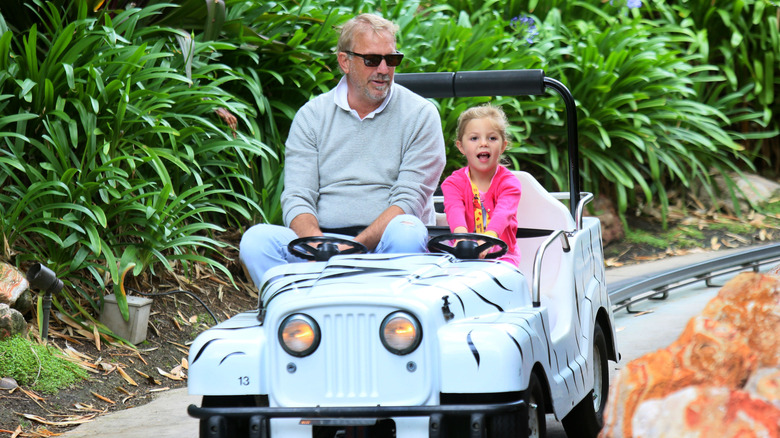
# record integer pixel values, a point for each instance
(659, 324)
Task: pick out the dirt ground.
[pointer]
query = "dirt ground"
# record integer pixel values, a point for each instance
(122, 377)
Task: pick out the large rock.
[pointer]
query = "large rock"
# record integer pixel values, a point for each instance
(11, 322)
(751, 189)
(14, 288)
(708, 351)
(765, 384)
(697, 385)
(701, 411)
(751, 304)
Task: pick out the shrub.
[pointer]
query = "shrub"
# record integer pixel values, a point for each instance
(644, 125)
(110, 155)
(743, 39)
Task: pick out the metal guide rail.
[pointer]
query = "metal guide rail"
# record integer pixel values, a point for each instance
(657, 285)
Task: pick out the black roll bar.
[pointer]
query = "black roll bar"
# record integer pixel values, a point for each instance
(503, 83)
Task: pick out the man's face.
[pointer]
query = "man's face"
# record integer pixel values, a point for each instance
(370, 85)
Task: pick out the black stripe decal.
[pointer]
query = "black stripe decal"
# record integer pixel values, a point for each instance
(573, 374)
(565, 383)
(240, 353)
(517, 344)
(203, 348)
(486, 300)
(547, 338)
(462, 306)
(498, 282)
(473, 348)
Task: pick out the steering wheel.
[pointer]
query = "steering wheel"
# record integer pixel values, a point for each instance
(327, 248)
(468, 246)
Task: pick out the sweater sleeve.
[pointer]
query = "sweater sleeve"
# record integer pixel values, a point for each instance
(507, 193)
(301, 180)
(455, 201)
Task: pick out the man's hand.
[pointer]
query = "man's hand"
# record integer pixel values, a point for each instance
(373, 233)
(307, 225)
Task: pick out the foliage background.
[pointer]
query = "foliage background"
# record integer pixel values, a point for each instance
(114, 156)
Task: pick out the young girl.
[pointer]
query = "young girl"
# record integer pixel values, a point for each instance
(483, 197)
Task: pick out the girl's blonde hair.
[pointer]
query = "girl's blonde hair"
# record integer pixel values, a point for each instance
(486, 111)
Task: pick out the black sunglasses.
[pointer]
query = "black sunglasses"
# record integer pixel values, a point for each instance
(392, 59)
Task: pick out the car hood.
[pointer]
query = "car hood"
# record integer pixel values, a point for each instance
(416, 277)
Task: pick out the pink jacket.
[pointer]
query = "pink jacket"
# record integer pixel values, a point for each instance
(500, 201)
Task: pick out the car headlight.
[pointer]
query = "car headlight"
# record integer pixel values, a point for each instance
(400, 333)
(299, 335)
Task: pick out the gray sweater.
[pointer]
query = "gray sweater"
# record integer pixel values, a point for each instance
(347, 171)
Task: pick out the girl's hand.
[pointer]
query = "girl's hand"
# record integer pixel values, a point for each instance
(459, 230)
(489, 250)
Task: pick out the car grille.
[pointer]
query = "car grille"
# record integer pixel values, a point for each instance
(351, 342)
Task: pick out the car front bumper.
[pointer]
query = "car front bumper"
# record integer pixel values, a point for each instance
(216, 418)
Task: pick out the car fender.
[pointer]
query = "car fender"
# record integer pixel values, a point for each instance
(228, 359)
(493, 353)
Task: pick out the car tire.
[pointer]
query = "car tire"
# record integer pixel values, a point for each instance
(503, 426)
(587, 418)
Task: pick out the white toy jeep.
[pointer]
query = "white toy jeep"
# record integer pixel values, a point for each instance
(424, 345)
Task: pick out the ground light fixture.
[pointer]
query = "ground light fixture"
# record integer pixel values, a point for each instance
(44, 279)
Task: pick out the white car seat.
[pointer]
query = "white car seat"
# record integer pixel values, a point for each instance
(538, 209)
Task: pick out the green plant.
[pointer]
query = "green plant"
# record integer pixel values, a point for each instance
(642, 128)
(684, 237)
(645, 238)
(743, 39)
(110, 156)
(41, 367)
(732, 227)
(282, 53)
(113, 157)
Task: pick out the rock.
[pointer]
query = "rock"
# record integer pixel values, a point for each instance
(751, 303)
(611, 226)
(25, 302)
(8, 383)
(757, 189)
(700, 411)
(11, 322)
(708, 351)
(12, 284)
(765, 384)
(735, 335)
(753, 189)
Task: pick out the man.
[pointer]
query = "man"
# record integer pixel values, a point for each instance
(366, 154)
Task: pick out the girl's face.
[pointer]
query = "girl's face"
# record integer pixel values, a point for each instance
(482, 144)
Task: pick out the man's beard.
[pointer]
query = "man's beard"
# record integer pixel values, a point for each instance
(370, 92)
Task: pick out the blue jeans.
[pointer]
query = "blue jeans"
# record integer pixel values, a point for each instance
(264, 246)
